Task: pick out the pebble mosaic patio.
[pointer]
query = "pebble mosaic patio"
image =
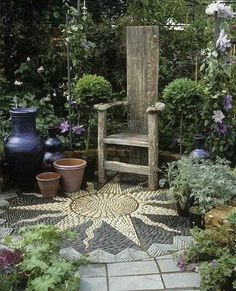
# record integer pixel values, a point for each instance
(118, 222)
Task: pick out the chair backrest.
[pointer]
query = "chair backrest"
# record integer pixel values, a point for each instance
(142, 74)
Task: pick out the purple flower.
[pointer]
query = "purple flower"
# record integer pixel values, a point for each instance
(218, 116)
(225, 11)
(223, 43)
(64, 126)
(78, 129)
(181, 264)
(227, 102)
(221, 129)
(75, 105)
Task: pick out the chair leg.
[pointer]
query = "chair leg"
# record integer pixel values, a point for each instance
(153, 152)
(102, 154)
(101, 165)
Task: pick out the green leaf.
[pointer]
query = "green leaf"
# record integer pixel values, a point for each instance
(42, 283)
(30, 264)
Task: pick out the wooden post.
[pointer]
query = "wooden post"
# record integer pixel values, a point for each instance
(102, 155)
(153, 151)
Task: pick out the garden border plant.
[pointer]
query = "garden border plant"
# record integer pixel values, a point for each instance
(34, 263)
(203, 183)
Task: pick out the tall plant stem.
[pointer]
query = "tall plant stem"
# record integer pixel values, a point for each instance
(216, 28)
(69, 83)
(89, 132)
(181, 135)
(78, 7)
(196, 67)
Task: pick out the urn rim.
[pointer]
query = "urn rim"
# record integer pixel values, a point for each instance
(23, 111)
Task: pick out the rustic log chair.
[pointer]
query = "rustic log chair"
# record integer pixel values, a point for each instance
(142, 92)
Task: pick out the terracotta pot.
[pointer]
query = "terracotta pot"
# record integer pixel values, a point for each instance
(48, 183)
(72, 172)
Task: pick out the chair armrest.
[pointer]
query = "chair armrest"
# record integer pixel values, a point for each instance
(157, 108)
(105, 106)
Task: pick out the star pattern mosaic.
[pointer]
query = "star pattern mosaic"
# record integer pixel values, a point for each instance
(124, 211)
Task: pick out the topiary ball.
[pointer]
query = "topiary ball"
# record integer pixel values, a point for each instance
(92, 89)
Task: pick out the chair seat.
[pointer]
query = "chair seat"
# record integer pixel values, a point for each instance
(129, 139)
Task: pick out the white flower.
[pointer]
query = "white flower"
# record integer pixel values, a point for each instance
(218, 116)
(18, 83)
(28, 59)
(222, 10)
(223, 43)
(173, 25)
(54, 94)
(211, 9)
(40, 69)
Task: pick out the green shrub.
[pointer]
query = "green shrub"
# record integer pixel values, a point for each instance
(215, 275)
(215, 249)
(210, 184)
(183, 98)
(232, 219)
(92, 89)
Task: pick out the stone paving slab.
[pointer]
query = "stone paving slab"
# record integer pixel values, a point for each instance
(92, 270)
(132, 268)
(142, 282)
(181, 280)
(165, 257)
(93, 284)
(168, 265)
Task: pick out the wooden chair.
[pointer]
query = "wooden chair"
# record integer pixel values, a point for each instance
(143, 110)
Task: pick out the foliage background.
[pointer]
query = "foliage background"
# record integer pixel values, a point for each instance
(37, 30)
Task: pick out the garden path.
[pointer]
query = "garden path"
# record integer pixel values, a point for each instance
(153, 274)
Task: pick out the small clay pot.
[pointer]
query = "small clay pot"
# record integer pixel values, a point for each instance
(72, 172)
(48, 183)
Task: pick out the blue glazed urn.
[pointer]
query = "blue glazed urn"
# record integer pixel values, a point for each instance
(53, 150)
(200, 150)
(24, 147)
